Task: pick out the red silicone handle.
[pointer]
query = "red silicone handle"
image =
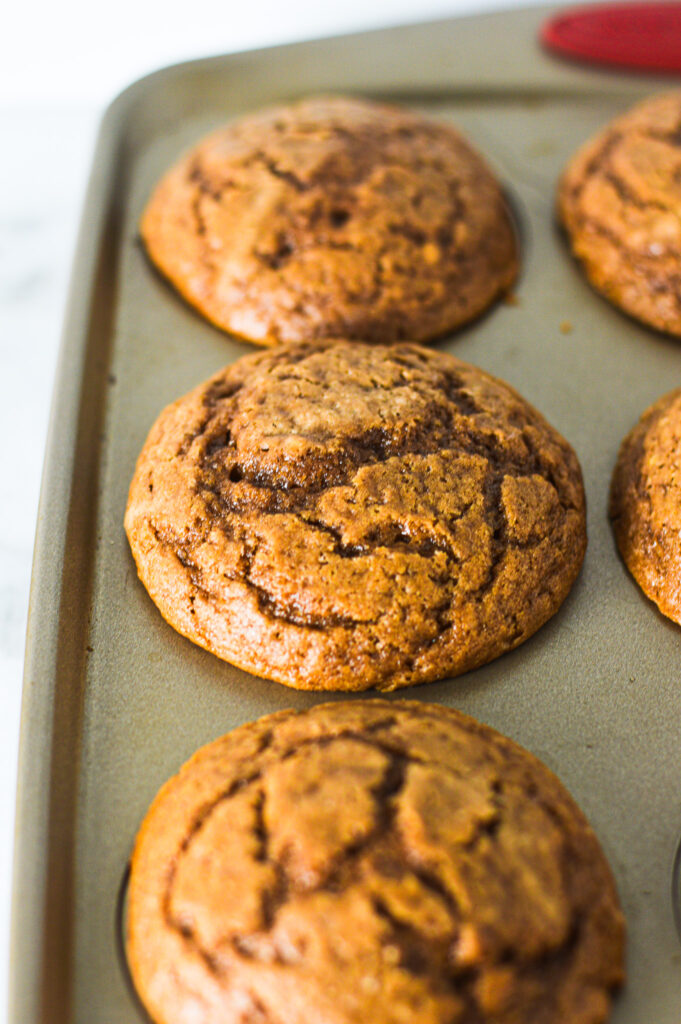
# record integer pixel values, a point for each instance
(639, 36)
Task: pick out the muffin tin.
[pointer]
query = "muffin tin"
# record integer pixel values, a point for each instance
(115, 701)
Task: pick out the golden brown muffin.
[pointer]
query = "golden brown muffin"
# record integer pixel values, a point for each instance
(371, 862)
(341, 516)
(645, 503)
(333, 217)
(620, 202)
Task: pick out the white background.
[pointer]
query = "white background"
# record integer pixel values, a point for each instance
(83, 52)
(60, 65)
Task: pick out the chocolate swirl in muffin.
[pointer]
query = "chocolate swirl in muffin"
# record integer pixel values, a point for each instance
(333, 217)
(340, 516)
(620, 202)
(371, 861)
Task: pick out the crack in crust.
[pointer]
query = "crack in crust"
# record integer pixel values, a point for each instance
(435, 867)
(619, 201)
(352, 218)
(384, 793)
(393, 514)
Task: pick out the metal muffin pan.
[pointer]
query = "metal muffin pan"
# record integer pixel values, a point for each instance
(115, 701)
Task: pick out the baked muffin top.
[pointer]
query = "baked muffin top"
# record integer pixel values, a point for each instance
(341, 515)
(620, 201)
(645, 503)
(333, 217)
(377, 861)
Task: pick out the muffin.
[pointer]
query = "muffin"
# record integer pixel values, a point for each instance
(373, 861)
(337, 516)
(620, 203)
(645, 503)
(333, 217)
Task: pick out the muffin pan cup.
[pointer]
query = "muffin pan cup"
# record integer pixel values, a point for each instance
(115, 701)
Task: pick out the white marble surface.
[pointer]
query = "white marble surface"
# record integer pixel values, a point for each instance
(42, 181)
(82, 49)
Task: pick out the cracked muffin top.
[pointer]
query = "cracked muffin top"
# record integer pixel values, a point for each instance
(333, 217)
(620, 202)
(645, 503)
(342, 516)
(373, 861)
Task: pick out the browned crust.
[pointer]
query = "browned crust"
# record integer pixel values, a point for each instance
(645, 503)
(333, 217)
(619, 201)
(371, 861)
(341, 516)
